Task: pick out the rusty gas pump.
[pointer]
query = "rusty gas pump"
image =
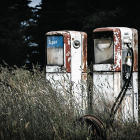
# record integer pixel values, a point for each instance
(66, 59)
(115, 69)
(113, 61)
(115, 75)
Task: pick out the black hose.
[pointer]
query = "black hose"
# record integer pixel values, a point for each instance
(123, 91)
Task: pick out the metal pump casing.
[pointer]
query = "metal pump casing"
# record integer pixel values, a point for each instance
(71, 64)
(108, 75)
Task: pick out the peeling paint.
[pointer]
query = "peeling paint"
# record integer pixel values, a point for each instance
(103, 67)
(68, 41)
(68, 53)
(69, 59)
(116, 40)
(84, 52)
(117, 50)
(121, 36)
(118, 60)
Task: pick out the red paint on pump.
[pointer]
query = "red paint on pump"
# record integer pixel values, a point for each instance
(67, 38)
(84, 55)
(135, 49)
(117, 49)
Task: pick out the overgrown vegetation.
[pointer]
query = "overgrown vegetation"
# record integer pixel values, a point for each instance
(30, 109)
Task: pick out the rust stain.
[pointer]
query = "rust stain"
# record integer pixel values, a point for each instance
(135, 68)
(136, 38)
(135, 49)
(112, 68)
(104, 29)
(117, 45)
(67, 38)
(84, 55)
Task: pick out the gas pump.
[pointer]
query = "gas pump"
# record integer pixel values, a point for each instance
(115, 73)
(115, 77)
(66, 57)
(115, 70)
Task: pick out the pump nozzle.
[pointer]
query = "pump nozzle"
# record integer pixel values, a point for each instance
(128, 60)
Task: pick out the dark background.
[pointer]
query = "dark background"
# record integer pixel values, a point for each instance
(22, 28)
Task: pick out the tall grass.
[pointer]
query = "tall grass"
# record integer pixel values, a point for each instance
(31, 109)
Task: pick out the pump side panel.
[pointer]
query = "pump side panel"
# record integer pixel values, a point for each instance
(76, 56)
(76, 66)
(60, 82)
(127, 107)
(135, 73)
(129, 103)
(103, 93)
(84, 52)
(117, 89)
(135, 89)
(59, 76)
(67, 55)
(135, 48)
(117, 84)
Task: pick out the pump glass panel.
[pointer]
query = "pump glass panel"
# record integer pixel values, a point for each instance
(103, 48)
(55, 50)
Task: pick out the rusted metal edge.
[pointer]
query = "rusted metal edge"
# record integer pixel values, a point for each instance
(117, 46)
(84, 55)
(135, 48)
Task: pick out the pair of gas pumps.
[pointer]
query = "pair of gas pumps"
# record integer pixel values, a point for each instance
(114, 68)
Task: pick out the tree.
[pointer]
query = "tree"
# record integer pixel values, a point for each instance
(12, 41)
(53, 16)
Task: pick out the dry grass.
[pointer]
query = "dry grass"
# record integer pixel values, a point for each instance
(30, 109)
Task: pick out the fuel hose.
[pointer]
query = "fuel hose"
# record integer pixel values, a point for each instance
(122, 92)
(95, 123)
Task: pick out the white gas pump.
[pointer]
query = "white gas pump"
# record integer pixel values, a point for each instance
(66, 57)
(115, 71)
(112, 68)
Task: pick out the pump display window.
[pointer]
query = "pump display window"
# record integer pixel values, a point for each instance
(55, 50)
(103, 47)
(103, 51)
